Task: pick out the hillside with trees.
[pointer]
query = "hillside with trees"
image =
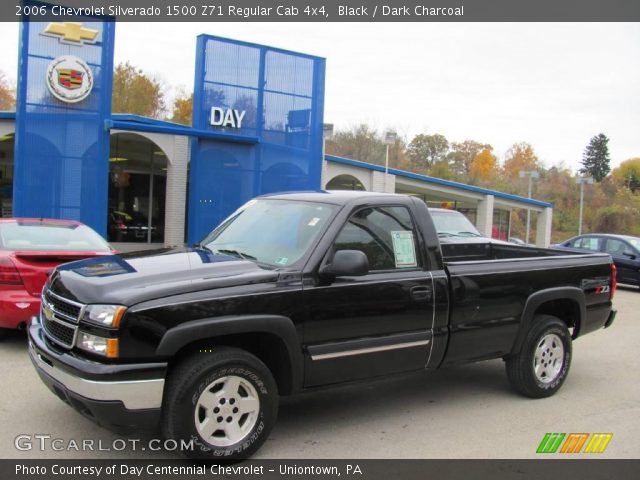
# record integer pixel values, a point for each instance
(612, 202)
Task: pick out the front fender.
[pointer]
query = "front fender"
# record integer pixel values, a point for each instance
(282, 327)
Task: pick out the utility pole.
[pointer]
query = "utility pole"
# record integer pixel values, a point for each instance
(389, 139)
(581, 181)
(531, 174)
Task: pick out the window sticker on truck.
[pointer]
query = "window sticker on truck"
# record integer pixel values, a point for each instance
(404, 248)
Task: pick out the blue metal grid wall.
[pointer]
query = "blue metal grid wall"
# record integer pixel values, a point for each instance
(282, 95)
(62, 149)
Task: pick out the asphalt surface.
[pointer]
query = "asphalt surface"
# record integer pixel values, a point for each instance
(464, 412)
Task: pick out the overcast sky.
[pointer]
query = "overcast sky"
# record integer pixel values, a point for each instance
(554, 85)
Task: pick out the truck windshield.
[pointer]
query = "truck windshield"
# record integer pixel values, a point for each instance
(450, 223)
(272, 232)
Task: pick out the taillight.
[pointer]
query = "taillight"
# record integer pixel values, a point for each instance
(9, 274)
(614, 279)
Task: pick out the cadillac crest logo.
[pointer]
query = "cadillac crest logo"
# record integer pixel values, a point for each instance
(69, 79)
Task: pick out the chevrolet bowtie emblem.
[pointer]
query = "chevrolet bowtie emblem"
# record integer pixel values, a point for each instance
(71, 32)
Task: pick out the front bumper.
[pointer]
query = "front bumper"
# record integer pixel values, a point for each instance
(121, 397)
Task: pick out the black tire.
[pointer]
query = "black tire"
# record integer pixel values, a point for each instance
(182, 405)
(521, 368)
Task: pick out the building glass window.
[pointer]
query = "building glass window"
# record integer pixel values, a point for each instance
(7, 143)
(137, 190)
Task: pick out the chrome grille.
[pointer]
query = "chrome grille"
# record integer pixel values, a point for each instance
(62, 307)
(60, 332)
(60, 317)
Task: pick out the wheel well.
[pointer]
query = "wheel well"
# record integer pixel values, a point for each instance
(565, 309)
(269, 348)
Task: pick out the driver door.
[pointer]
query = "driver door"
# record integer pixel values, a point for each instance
(378, 323)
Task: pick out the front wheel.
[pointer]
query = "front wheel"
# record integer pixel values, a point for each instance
(222, 402)
(542, 365)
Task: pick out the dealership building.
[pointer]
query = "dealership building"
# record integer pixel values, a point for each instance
(257, 128)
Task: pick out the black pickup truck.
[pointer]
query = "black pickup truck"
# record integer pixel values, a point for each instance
(298, 291)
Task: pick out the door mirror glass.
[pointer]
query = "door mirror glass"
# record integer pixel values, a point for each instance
(348, 263)
(629, 253)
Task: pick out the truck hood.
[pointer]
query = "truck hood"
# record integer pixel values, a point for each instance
(132, 278)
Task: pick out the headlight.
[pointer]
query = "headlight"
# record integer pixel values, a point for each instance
(107, 347)
(104, 315)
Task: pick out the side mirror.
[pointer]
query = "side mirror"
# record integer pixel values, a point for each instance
(630, 254)
(347, 263)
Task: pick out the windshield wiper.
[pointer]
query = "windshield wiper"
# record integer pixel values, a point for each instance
(236, 253)
(468, 234)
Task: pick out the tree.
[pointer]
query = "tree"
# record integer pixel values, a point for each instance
(425, 150)
(182, 109)
(595, 160)
(137, 93)
(7, 96)
(484, 165)
(628, 174)
(360, 143)
(462, 155)
(520, 156)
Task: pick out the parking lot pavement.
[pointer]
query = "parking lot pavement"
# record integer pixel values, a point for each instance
(464, 412)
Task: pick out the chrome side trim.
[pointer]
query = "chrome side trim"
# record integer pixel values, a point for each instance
(433, 316)
(361, 351)
(135, 394)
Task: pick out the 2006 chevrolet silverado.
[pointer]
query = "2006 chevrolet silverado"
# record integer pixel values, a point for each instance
(297, 291)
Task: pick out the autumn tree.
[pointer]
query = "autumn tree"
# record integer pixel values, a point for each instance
(483, 166)
(7, 97)
(628, 174)
(425, 150)
(462, 155)
(519, 157)
(360, 143)
(136, 92)
(182, 108)
(595, 159)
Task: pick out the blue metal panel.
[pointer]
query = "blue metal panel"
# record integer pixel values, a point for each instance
(62, 149)
(282, 95)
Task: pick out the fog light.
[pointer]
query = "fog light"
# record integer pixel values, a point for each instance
(107, 347)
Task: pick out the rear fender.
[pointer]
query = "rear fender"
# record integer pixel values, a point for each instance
(535, 301)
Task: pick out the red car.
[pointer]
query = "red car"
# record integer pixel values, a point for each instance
(29, 249)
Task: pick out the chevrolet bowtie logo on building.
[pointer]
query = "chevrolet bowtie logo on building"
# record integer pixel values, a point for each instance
(574, 442)
(72, 33)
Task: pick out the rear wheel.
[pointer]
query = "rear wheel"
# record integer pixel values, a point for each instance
(223, 402)
(542, 365)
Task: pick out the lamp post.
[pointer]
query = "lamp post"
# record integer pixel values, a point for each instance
(327, 133)
(531, 174)
(390, 138)
(581, 181)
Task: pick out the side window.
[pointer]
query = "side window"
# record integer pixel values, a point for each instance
(587, 243)
(386, 235)
(615, 247)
